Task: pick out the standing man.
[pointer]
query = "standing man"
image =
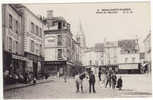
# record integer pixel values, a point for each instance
(92, 82)
(99, 74)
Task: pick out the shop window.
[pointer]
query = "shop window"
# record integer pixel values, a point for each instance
(10, 21)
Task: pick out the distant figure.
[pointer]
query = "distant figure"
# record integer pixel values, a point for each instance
(58, 75)
(65, 78)
(99, 75)
(119, 83)
(92, 81)
(114, 78)
(108, 79)
(34, 80)
(46, 76)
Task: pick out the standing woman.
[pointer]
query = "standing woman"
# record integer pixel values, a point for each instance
(120, 83)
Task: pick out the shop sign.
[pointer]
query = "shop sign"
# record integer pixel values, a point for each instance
(55, 62)
(35, 58)
(128, 66)
(18, 57)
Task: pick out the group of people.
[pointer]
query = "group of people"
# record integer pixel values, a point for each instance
(110, 78)
(27, 77)
(79, 81)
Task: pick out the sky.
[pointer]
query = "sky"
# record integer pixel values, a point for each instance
(99, 26)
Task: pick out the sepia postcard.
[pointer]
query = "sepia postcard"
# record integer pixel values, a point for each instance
(76, 50)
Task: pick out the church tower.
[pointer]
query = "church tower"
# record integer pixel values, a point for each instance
(80, 37)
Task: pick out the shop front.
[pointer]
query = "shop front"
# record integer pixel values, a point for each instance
(109, 67)
(52, 67)
(13, 67)
(129, 68)
(34, 64)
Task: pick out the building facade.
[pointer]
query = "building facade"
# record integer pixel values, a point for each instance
(13, 51)
(122, 56)
(147, 52)
(33, 30)
(129, 58)
(61, 50)
(111, 54)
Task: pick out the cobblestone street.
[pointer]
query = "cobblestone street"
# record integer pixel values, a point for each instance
(59, 89)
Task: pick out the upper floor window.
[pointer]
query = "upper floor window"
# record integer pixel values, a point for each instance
(59, 25)
(133, 59)
(10, 44)
(10, 21)
(16, 46)
(17, 26)
(115, 61)
(109, 62)
(59, 40)
(102, 62)
(40, 49)
(59, 54)
(96, 62)
(37, 30)
(126, 60)
(90, 62)
(32, 46)
(32, 27)
(40, 32)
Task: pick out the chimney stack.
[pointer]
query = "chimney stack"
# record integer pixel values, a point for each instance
(49, 14)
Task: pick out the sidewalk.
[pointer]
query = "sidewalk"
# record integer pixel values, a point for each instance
(22, 85)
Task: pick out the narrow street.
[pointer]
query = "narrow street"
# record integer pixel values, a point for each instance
(59, 89)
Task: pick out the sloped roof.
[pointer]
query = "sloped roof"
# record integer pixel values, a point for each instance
(128, 44)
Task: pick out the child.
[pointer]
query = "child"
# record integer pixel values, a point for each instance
(120, 83)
